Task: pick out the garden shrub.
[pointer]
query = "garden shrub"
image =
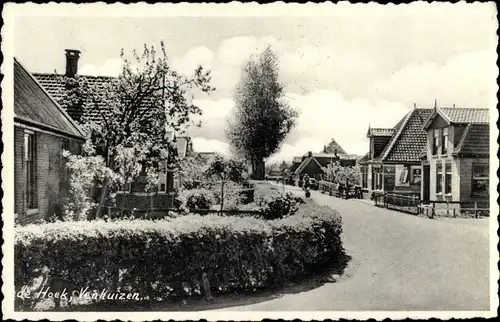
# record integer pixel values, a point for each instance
(278, 206)
(196, 199)
(167, 258)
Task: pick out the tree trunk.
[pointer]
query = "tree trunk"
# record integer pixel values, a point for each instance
(222, 196)
(258, 169)
(102, 198)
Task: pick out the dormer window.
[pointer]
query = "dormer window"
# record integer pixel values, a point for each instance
(444, 142)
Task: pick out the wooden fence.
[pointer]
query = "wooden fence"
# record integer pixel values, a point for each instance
(339, 190)
(405, 203)
(413, 205)
(452, 209)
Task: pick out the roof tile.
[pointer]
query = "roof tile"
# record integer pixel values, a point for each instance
(407, 146)
(476, 141)
(466, 115)
(33, 104)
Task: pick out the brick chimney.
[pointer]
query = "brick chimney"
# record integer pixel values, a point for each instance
(309, 154)
(72, 56)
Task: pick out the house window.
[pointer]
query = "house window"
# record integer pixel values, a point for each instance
(480, 180)
(30, 170)
(364, 177)
(435, 142)
(444, 142)
(377, 179)
(448, 178)
(439, 177)
(65, 144)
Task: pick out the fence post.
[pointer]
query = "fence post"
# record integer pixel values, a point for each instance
(433, 211)
(447, 208)
(454, 214)
(475, 209)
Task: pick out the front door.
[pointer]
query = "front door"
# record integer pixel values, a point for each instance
(426, 183)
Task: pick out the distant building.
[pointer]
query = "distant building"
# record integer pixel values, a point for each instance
(455, 159)
(42, 130)
(393, 162)
(312, 164)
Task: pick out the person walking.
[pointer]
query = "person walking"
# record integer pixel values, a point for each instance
(306, 185)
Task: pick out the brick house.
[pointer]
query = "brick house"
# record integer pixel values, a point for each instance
(393, 162)
(455, 159)
(135, 195)
(42, 130)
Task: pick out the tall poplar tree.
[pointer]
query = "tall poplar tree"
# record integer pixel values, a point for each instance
(262, 118)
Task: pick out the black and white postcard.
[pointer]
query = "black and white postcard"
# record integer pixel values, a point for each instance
(248, 161)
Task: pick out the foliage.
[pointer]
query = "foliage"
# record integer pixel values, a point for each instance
(279, 206)
(340, 174)
(222, 171)
(262, 118)
(85, 172)
(233, 253)
(137, 106)
(196, 199)
(233, 197)
(195, 172)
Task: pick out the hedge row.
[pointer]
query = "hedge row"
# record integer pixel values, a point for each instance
(169, 257)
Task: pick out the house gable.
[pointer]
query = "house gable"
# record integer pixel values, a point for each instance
(409, 140)
(33, 106)
(438, 122)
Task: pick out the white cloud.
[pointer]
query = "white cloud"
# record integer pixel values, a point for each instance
(111, 67)
(195, 57)
(324, 114)
(237, 50)
(204, 145)
(467, 80)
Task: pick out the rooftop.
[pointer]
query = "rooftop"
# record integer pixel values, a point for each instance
(33, 104)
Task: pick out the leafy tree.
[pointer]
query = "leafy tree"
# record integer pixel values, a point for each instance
(337, 173)
(195, 169)
(224, 171)
(262, 118)
(136, 108)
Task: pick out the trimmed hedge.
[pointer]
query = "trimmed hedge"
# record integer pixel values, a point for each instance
(166, 258)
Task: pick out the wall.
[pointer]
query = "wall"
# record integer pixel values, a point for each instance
(466, 181)
(51, 177)
(391, 170)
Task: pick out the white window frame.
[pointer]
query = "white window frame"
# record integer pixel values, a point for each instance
(444, 141)
(448, 172)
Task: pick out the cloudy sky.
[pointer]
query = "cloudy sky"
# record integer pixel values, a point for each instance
(341, 72)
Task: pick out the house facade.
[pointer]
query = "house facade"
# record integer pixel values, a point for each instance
(455, 159)
(42, 130)
(170, 176)
(393, 162)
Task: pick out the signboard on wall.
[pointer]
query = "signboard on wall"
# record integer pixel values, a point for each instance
(416, 175)
(402, 176)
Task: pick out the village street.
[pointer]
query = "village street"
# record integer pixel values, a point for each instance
(399, 262)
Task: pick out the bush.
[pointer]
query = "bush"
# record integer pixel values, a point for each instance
(196, 199)
(171, 257)
(278, 206)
